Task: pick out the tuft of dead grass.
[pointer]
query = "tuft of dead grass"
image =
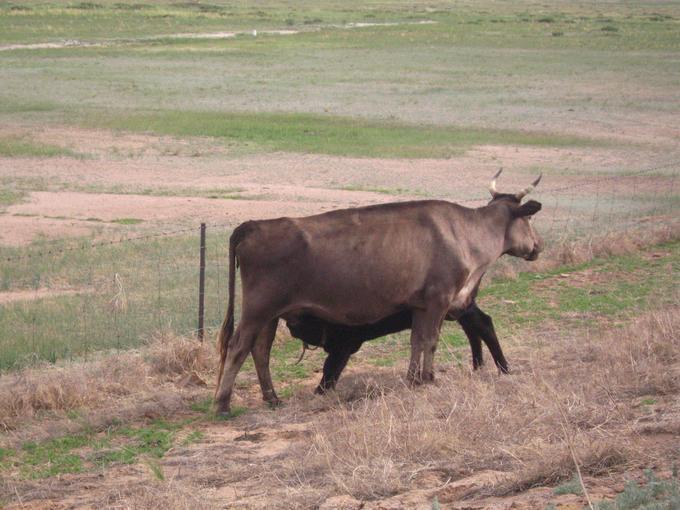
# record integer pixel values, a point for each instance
(155, 495)
(169, 354)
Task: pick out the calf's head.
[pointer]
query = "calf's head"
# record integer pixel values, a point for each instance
(521, 239)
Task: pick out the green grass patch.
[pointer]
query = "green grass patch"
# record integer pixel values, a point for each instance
(651, 494)
(79, 453)
(384, 191)
(325, 134)
(20, 147)
(52, 457)
(193, 437)
(602, 289)
(127, 221)
(571, 487)
(158, 278)
(10, 196)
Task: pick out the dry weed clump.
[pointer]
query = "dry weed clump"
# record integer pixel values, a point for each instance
(573, 401)
(127, 382)
(30, 391)
(155, 495)
(168, 354)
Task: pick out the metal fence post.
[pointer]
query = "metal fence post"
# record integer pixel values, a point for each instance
(201, 286)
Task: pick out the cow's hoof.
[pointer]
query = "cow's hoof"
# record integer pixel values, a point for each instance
(503, 369)
(413, 381)
(224, 414)
(274, 402)
(320, 390)
(428, 377)
(222, 410)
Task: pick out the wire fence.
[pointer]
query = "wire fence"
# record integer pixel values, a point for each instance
(64, 299)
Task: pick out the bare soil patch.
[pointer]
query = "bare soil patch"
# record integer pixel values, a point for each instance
(40, 293)
(22, 230)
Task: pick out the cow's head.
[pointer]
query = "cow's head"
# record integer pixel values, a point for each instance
(521, 239)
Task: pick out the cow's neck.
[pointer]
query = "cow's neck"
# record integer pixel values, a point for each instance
(489, 244)
(483, 246)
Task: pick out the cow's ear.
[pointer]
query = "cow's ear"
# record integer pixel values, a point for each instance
(528, 209)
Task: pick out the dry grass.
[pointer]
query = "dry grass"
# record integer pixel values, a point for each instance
(568, 251)
(116, 386)
(520, 426)
(606, 245)
(154, 496)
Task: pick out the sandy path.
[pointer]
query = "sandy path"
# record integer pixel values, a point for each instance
(70, 43)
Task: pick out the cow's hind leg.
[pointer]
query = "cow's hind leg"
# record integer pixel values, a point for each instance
(334, 365)
(240, 345)
(261, 352)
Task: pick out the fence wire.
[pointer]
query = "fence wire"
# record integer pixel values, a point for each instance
(64, 299)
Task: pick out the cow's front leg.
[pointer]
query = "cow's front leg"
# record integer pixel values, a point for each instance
(424, 336)
(335, 363)
(261, 352)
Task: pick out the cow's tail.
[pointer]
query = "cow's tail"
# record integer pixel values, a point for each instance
(227, 329)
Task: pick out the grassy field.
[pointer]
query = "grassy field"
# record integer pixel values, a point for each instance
(506, 75)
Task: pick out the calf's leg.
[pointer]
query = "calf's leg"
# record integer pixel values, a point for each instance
(338, 356)
(471, 331)
(481, 325)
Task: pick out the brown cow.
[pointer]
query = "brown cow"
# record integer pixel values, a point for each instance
(359, 266)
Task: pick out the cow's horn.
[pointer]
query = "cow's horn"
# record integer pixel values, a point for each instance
(492, 186)
(528, 189)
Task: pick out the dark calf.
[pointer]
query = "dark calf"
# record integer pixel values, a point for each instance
(340, 341)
